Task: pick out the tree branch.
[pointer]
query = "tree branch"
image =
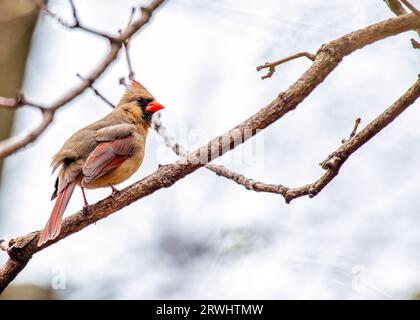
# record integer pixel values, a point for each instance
(415, 43)
(126, 48)
(327, 58)
(76, 24)
(336, 159)
(97, 93)
(17, 102)
(353, 132)
(11, 145)
(411, 7)
(271, 66)
(397, 8)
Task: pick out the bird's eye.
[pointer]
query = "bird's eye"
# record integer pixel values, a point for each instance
(142, 102)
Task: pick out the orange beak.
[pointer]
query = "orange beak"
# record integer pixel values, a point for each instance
(154, 106)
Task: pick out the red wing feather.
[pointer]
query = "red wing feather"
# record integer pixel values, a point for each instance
(106, 157)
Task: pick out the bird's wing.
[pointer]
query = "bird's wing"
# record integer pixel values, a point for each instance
(118, 131)
(106, 157)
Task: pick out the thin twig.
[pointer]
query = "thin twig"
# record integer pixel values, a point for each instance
(396, 7)
(74, 11)
(167, 138)
(17, 102)
(8, 145)
(272, 65)
(411, 7)
(127, 55)
(126, 45)
(96, 91)
(12, 144)
(122, 81)
(415, 44)
(76, 24)
(353, 132)
(356, 125)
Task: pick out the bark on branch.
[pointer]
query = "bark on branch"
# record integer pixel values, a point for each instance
(398, 9)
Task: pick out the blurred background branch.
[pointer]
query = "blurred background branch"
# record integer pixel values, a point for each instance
(17, 22)
(76, 24)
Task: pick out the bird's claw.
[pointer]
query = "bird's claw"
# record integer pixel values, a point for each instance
(114, 195)
(86, 209)
(115, 192)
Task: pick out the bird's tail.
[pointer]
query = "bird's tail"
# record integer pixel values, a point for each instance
(53, 226)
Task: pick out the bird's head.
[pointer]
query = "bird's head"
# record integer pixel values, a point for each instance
(139, 102)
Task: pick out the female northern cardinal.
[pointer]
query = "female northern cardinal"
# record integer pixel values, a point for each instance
(102, 154)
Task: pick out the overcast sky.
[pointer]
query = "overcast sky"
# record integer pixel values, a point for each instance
(207, 237)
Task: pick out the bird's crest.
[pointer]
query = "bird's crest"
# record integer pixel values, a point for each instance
(134, 90)
(136, 85)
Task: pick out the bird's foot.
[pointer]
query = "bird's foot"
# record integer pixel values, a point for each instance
(115, 192)
(86, 209)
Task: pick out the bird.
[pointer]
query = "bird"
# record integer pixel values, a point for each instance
(102, 154)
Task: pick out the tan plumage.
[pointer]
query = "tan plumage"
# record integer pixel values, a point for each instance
(103, 154)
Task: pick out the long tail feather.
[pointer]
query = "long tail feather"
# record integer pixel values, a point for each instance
(53, 226)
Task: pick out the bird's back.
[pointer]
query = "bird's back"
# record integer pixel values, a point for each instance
(84, 141)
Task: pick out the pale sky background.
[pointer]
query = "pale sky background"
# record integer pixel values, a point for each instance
(207, 237)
